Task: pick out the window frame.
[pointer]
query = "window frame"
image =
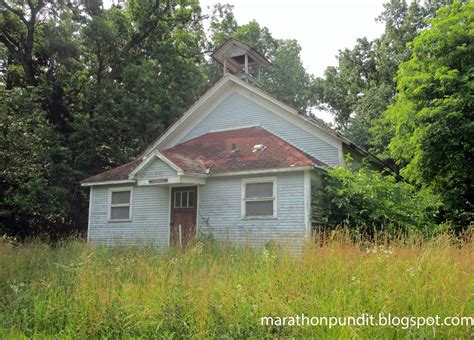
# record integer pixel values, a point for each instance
(243, 199)
(129, 205)
(188, 194)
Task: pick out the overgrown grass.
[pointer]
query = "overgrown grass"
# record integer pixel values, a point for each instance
(75, 290)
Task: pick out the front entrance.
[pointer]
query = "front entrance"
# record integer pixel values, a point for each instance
(183, 215)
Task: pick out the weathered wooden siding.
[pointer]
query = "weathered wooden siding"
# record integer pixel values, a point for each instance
(238, 111)
(150, 218)
(220, 212)
(156, 169)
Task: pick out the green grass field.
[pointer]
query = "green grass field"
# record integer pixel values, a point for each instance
(78, 291)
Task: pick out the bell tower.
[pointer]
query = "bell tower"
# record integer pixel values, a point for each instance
(241, 60)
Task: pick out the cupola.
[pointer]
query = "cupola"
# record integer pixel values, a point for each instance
(240, 59)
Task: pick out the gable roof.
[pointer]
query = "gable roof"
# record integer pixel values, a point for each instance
(201, 106)
(254, 148)
(116, 174)
(211, 154)
(233, 48)
(149, 159)
(226, 82)
(217, 93)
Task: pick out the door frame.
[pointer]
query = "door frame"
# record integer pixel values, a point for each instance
(170, 207)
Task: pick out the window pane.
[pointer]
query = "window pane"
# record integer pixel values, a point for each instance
(120, 197)
(120, 213)
(177, 199)
(259, 208)
(191, 199)
(255, 190)
(184, 199)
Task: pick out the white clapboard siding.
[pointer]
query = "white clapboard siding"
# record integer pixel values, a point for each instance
(219, 215)
(150, 216)
(238, 111)
(220, 212)
(156, 169)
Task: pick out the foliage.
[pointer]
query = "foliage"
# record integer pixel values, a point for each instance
(84, 89)
(102, 84)
(362, 85)
(433, 112)
(287, 78)
(34, 167)
(89, 88)
(367, 201)
(77, 291)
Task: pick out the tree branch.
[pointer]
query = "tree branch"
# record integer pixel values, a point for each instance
(15, 11)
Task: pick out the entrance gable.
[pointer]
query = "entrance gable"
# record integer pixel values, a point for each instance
(156, 168)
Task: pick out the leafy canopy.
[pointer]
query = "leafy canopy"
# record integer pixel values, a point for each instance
(367, 201)
(433, 112)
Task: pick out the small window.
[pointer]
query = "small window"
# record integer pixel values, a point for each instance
(259, 198)
(184, 199)
(120, 204)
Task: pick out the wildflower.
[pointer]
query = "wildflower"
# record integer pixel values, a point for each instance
(412, 270)
(388, 252)
(17, 287)
(355, 280)
(199, 248)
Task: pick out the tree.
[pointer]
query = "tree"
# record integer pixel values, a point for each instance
(362, 86)
(34, 169)
(433, 111)
(85, 89)
(286, 79)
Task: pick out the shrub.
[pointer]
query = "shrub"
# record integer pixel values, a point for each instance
(368, 201)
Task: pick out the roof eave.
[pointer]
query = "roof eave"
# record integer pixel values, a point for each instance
(110, 182)
(262, 171)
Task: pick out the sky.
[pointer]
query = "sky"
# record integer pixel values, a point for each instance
(322, 27)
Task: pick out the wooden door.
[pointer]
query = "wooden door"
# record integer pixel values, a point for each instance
(183, 215)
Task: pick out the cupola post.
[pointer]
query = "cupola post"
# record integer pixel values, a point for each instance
(241, 60)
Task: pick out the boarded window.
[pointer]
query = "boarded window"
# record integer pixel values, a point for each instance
(120, 204)
(259, 198)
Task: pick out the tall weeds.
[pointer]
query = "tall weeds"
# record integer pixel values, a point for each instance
(211, 290)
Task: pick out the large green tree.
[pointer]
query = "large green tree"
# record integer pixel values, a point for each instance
(84, 89)
(433, 112)
(359, 89)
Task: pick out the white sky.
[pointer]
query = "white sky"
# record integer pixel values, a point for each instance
(322, 27)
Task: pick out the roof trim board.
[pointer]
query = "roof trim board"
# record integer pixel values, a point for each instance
(263, 171)
(198, 106)
(226, 52)
(120, 181)
(150, 158)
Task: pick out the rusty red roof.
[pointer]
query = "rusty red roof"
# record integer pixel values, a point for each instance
(254, 149)
(115, 174)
